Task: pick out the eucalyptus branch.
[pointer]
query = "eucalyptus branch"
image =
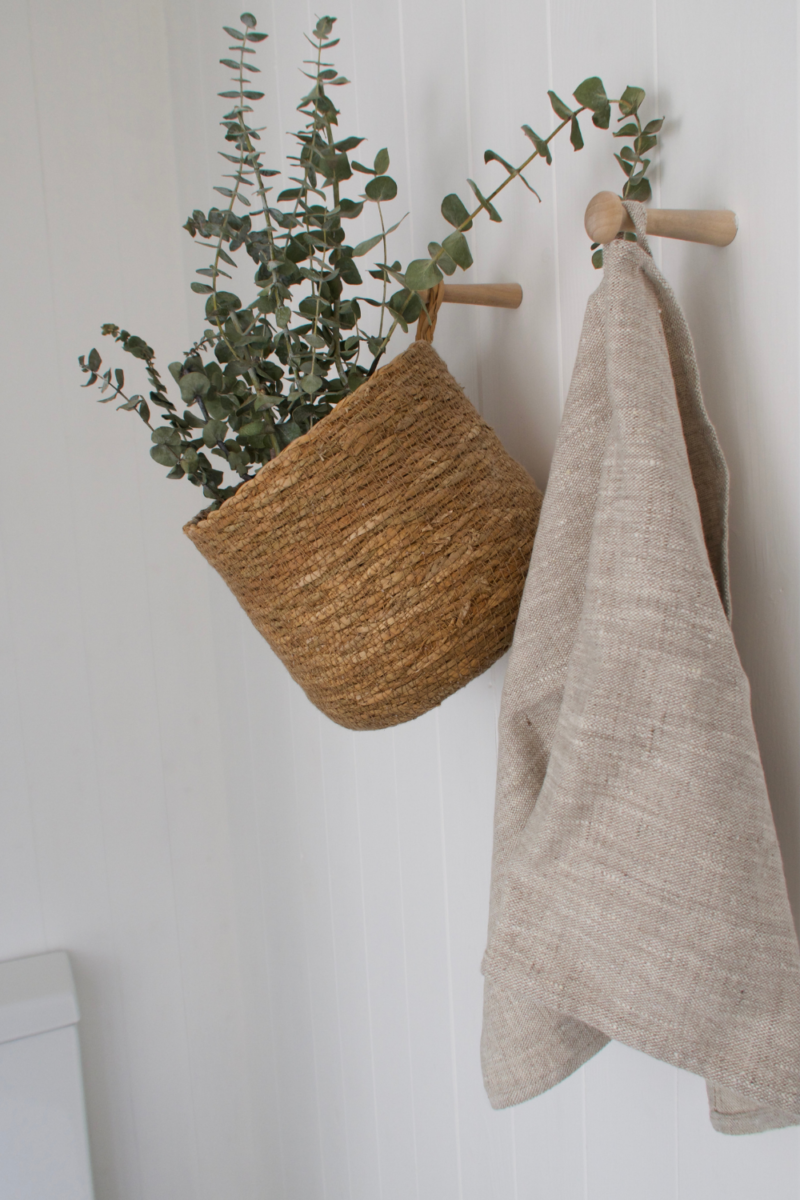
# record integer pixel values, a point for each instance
(265, 371)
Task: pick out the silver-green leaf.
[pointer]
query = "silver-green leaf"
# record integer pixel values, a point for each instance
(193, 385)
(422, 274)
(457, 247)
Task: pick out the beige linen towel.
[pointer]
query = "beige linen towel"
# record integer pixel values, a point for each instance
(637, 885)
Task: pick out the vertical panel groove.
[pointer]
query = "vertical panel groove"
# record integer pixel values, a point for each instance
(449, 954)
(365, 942)
(562, 387)
(407, 1001)
(406, 125)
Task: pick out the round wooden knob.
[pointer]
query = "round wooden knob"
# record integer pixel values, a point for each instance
(604, 217)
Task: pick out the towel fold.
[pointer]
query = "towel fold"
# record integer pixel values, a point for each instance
(637, 884)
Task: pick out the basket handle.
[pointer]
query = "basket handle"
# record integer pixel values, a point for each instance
(431, 303)
(494, 295)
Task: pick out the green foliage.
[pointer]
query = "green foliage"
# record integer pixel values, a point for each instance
(562, 110)
(455, 213)
(631, 158)
(263, 372)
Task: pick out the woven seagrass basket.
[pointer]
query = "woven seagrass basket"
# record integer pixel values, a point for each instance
(383, 554)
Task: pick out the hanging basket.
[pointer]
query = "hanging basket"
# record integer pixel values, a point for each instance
(382, 554)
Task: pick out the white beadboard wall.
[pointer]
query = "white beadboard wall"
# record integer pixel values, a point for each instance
(277, 924)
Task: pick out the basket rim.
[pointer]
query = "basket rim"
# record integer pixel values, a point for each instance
(286, 457)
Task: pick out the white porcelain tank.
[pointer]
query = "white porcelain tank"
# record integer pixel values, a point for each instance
(44, 1149)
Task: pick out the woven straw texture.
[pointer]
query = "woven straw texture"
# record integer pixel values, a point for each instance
(383, 554)
(637, 885)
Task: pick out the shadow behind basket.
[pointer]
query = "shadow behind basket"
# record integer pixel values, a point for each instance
(383, 554)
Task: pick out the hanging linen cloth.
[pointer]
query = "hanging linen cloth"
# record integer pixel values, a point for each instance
(637, 884)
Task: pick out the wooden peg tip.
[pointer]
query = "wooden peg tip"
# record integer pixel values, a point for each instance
(604, 218)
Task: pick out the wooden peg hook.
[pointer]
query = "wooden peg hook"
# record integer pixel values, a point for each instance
(493, 295)
(606, 217)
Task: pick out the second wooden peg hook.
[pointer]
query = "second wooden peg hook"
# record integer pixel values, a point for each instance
(606, 217)
(494, 295)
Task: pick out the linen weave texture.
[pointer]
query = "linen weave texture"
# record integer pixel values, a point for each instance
(637, 885)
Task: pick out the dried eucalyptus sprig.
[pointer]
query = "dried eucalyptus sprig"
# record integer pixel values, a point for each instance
(264, 372)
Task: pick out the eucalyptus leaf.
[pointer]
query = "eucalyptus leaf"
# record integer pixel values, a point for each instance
(541, 145)
(364, 247)
(194, 384)
(559, 107)
(640, 190)
(164, 455)
(644, 143)
(455, 213)
(575, 135)
(458, 249)
(351, 208)
(407, 304)
(289, 431)
(630, 100)
(213, 432)
(383, 187)
(217, 408)
(394, 272)
(443, 259)
(484, 203)
(422, 274)
(492, 156)
(369, 244)
(591, 94)
(347, 144)
(222, 304)
(400, 318)
(166, 436)
(381, 163)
